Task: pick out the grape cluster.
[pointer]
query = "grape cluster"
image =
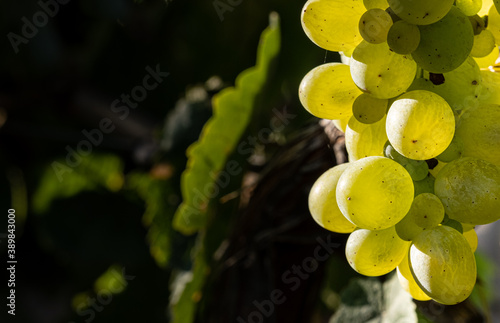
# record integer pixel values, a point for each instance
(418, 98)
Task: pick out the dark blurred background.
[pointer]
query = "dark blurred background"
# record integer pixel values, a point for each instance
(94, 236)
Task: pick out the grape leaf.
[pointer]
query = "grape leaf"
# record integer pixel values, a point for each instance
(233, 108)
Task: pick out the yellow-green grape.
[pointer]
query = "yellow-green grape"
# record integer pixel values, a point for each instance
(363, 140)
(403, 37)
(393, 15)
(494, 23)
(479, 131)
(444, 45)
(423, 12)
(371, 4)
(375, 193)
(443, 265)
(471, 237)
(427, 210)
(418, 169)
(424, 186)
(375, 253)
(469, 189)
(333, 24)
(367, 109)
(489, 60)
(341, 124)
(381, 72)
(454, 151)
(407, 229)
(420, 125)
(461, 87)
(484, 43)
(374, 25)
(328, 91)
(469, 7)
(323, 202)
(490, 91)
(408, 282)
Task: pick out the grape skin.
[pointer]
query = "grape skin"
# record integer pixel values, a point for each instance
(375, 193)
(443, 265)
(323, 204)
(375, 253)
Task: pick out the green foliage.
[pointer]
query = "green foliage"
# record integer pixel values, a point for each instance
(95, 171)
(157, 195)
(233, 108)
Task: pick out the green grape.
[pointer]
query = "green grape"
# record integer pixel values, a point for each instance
(469, 7)
(420, 125)
(494, 23)
(469, 189)
(423, 12)
(479, 131)
(375, 193)
(454, 151)
(371, 4)
(367, 109)
(407, 229)
(375, 253)
(490, 91)
(403, 38)
(484, 43)
(471, 237)
(333, 24)
(418, 169)
(427, 210)
(323, 203)
(460, 88)
(380, 72)
(424, 186)
(446, 44)
(489, 60)
(408, 282)
(328, 91)
(363, 140)
(443, 265)
(374, 25)
(497, 5)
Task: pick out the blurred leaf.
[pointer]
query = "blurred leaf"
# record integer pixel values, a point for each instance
(157, 194)
(189, 295)
(368, 300)
(233, 108)
(94, 171)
